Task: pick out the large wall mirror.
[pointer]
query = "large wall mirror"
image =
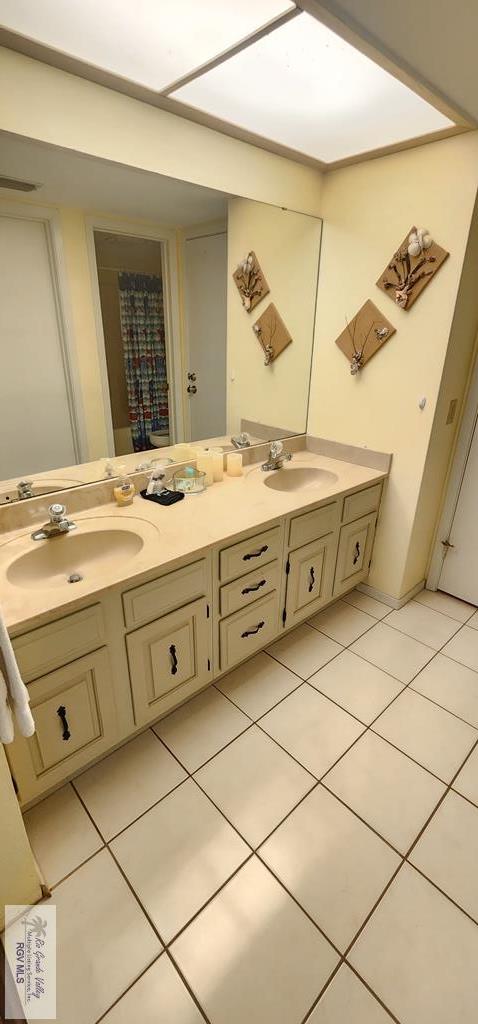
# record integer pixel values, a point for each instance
(123, 331)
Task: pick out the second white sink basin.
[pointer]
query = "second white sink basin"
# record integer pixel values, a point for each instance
(96, 545)
(299, 478)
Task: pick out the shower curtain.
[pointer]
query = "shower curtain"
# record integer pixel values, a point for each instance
(144, 352)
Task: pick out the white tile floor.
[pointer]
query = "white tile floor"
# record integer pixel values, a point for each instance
(296, 845)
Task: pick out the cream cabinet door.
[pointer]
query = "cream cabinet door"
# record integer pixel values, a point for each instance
(168, 656)
(75, 720)
(354, 554)
(310, 579)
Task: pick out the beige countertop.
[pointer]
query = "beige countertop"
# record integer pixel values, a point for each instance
(171, 534)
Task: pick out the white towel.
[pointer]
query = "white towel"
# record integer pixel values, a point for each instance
(17, 691)
(6, 720)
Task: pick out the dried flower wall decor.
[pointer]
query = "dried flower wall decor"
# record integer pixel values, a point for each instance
(250, 281)
(272, 333)
(412, 267)
(364, 335)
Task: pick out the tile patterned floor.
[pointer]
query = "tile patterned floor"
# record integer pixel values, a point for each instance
(296, 845)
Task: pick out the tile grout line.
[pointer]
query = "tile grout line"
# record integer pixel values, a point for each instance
(317, 782)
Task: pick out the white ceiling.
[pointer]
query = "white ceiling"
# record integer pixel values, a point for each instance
(436, 39)
(75, 180)
(260, 67)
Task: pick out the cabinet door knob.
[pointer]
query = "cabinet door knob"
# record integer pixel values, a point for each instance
(255, 554)
(256, 586)
(252, 632)
(357, 553)
(61, 712)
(312, 579)
(174, 660)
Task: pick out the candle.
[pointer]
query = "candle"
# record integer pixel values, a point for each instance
(204, 462)
(217, 463)
(234, 464)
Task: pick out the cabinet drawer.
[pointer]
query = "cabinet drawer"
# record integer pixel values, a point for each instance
(166, 655)
(362, 503)
(239, 558)
(311, 525)
(249, 588)
(75, 721)
(46, 648)
(355, 550)
(150, 600)
(310, 578)
(248, 630)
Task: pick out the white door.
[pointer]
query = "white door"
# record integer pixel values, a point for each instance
(206, 287)
(459, 574)
(36, 429)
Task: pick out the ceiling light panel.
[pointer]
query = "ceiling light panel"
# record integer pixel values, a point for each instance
(151, 42)
(304, 87)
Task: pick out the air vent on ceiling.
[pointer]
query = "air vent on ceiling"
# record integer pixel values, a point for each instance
(18, 186)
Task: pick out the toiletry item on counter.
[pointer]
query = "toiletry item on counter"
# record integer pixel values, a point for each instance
(234, 464)
(163, 497)
(155, 484)
(189, 480)
(217, 464)
(205, 464)
(124, 491)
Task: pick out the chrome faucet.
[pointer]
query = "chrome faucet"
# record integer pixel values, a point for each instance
(58, 524)
(277, 457)
(24, 489)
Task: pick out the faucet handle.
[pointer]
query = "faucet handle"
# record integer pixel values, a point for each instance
(57, 512)
(276, 449)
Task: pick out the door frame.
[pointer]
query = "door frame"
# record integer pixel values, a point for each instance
(49, 217)
(174, 355)
(456, 472)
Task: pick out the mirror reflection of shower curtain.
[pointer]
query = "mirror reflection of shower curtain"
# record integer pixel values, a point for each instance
(144, 352)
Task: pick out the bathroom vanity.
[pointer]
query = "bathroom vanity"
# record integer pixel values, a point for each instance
(205, 584)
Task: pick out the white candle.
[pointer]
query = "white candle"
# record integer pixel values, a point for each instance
(234, 464)
(204, 463)
(217, 464)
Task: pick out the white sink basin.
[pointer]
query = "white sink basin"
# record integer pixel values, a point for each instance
(299, 478)
(96, 545)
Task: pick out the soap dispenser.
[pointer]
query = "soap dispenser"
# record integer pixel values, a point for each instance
(124, 490)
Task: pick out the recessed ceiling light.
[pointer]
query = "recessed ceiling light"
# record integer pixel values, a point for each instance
(150, 42)
(304, 87)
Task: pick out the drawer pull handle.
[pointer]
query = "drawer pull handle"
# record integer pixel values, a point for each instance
(312, 579)
(251, 589)
(174, 660)
(255, 554)
(357, 553)
(64, 721)
(251, 632)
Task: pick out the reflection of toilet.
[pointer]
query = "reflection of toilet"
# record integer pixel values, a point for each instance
(158, 440)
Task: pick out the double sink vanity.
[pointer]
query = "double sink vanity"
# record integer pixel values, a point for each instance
(117, 622)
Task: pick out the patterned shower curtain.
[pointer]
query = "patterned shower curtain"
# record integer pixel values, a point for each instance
(144, 351)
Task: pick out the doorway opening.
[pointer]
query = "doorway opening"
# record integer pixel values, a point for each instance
(131, 288)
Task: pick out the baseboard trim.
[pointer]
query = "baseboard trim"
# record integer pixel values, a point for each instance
(393, 602)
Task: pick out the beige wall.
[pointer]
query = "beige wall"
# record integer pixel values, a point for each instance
(367, 209)
(287, 246)
(19, 881)
(50, 105)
